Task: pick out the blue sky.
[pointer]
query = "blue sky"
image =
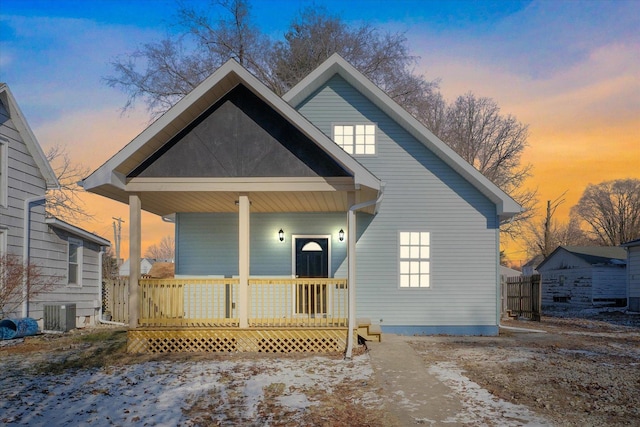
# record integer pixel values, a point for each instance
(568, 68)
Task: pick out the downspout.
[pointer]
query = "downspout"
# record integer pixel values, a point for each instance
(26, 238)
(351, 275)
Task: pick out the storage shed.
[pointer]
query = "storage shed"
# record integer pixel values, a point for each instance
(584, 276)
(633, 274)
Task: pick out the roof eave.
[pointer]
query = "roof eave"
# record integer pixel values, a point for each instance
(29, 138)
(77, 231)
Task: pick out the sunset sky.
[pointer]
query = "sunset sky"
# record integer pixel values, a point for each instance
(568, 69)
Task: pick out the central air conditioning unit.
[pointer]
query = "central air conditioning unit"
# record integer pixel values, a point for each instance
(61, 317)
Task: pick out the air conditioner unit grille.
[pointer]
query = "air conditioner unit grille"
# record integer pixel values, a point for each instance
(61, 317)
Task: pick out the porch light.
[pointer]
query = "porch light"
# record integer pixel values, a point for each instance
(341, 235)
(281, 235)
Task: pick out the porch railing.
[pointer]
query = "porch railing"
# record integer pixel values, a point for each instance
(213, 302)
(188, 302)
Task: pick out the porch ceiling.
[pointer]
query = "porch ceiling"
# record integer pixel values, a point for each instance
(165, 197)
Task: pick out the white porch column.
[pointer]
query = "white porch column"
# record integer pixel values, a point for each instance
(243, 259)
(351, 271)
(135, 243)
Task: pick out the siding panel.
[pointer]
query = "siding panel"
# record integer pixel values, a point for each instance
(422, 193)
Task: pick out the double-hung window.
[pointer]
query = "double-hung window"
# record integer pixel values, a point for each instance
(356, 139)
(75, 262)
(415, 259)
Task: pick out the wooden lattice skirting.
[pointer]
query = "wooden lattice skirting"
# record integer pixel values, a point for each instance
(324, 340)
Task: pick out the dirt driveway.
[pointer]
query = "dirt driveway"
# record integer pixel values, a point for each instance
(582, 371)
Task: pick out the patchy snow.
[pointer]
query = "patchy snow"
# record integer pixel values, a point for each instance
(480, 404)
(156, 393)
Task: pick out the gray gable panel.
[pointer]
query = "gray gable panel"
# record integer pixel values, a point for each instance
(240, 136)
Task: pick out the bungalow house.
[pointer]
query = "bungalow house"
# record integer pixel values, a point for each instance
(59, 249)
(584, 276)
(293, 214)
(633, 274)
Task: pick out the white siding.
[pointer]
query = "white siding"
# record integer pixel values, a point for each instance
(567, 286)
(422, 193)
(24, 181)
(48, 249)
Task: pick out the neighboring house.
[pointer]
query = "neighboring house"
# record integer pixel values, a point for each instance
(529, 268)
(145, 266)
(58, 248)
(633, 274)
(584, 276)
(509, 272)
(298, 204)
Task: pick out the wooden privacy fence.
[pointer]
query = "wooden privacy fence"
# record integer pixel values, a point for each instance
(522, 297)
(115, 299)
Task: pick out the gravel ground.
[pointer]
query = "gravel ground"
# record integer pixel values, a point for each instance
(581, 371)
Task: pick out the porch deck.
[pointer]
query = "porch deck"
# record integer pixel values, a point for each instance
(284, 315)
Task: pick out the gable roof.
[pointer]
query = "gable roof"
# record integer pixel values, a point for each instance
(631, 244)
(335, 64)
(110, 179)
(28, 137)
(593, 255)
(76, 231)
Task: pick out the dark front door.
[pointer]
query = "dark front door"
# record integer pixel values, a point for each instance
(312, 261)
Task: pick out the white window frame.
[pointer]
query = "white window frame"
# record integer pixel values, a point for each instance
(4, 173)
(3, 240)
(356, 138)
(414, 259)
(78, 263)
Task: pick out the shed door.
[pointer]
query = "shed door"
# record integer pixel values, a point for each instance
(312, 261)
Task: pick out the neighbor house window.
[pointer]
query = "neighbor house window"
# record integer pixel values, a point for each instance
(3, 241)
(4, 172)
(414, 259)
(356, 139)
(75, 262)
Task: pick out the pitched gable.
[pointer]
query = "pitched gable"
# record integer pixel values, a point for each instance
(240, 136)
(112, 179)
(11, 111)
(336, 65)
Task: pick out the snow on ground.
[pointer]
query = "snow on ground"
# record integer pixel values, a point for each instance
(480, 405)
(156, 393)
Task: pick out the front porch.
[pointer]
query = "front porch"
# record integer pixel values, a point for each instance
(205, 314)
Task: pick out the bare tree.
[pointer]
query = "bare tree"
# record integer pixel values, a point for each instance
(175, 66)
(384, 58)
(20, 283)
(493, 143)
(65, 203)
(611, 211)
(544, 237)
(164, 250)
(109, 265)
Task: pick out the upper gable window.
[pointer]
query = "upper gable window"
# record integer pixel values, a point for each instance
(356, 139)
